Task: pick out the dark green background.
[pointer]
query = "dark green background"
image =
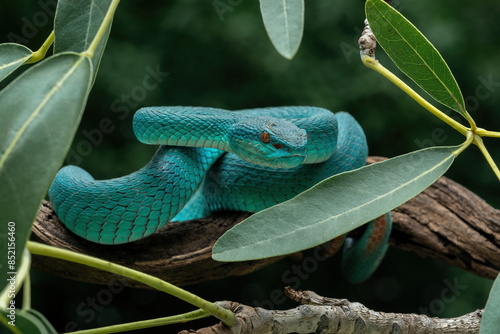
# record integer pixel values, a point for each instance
(230, 63)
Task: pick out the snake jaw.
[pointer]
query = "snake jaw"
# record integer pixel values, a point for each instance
(290, 153)
(277, 158)
(288, 161)
(288, 156)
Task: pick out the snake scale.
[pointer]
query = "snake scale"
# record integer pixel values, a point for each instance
(213, 159)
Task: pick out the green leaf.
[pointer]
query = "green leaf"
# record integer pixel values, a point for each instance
(414, 54)
(284, 22)
(76, 24)
(41, 110)
(490, 322)
(334, 206)
(11, 57)
(30, 321)
(43, 321)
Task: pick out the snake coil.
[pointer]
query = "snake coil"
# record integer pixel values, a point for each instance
(212, 159)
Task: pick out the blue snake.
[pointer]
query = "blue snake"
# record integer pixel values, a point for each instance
(213, 159)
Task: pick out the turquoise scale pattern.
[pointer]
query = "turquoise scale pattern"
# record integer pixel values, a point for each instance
(184, 126)
(208, 127)
(234, 184)
(367, 252)
(321, 128)
(132, 207)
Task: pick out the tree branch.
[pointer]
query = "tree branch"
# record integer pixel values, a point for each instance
(336, 316)
(446, 222)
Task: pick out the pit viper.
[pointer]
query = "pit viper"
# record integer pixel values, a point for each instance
(212, 159)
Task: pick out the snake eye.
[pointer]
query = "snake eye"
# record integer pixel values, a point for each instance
(265, 137)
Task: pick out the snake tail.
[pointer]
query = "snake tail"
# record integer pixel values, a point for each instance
(361, 257)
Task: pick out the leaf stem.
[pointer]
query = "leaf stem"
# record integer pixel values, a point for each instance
(102, 29)
(27, 293)
(221, 313)
(194, 315)
(468, 141)
(376, 66)
(22, 273)
(479, 143)
(485, 133)
(40, 53)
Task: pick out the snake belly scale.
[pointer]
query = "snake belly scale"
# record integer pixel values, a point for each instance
(212, 159)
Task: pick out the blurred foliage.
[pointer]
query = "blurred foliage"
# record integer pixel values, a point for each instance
(227, 61)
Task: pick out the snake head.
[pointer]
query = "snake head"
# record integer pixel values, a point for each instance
(268, 141)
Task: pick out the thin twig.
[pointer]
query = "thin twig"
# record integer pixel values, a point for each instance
(324, 315)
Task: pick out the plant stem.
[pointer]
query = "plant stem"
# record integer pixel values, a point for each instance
(376, 66)
(102, 29)
(479, 142)
(223, 314)
(27, 293)
(22, 273)
(468, 141)
(473, 134)
(194, 315)
(485, 133)
(40, 53)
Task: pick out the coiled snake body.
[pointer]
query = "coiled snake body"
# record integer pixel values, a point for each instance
(273, 155)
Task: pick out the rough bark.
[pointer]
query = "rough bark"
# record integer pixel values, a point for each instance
(336, 316)
(446, 222)
(180, 253)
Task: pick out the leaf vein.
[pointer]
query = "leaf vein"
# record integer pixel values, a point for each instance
(425, 62)
(390, 193)
(25, 125)
(15, 62)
